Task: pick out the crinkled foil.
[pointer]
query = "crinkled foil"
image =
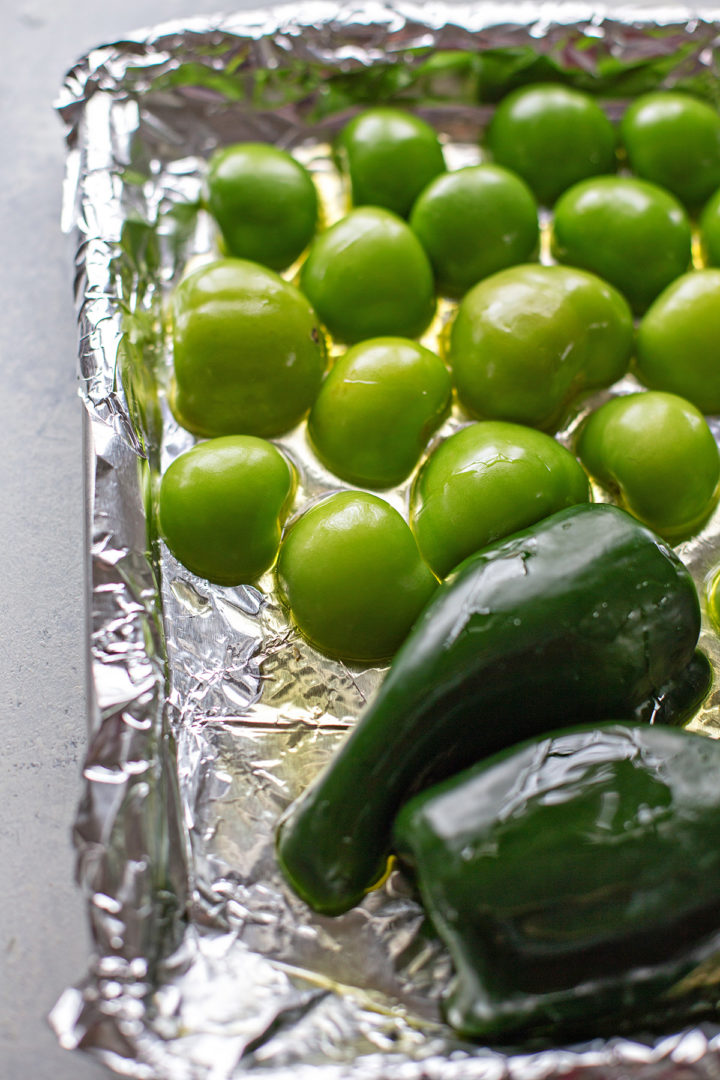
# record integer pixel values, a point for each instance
(208, 712)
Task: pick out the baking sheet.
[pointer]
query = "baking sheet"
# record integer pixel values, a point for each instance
(209, 713)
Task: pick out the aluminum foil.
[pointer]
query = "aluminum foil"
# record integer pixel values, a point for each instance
(208, 712)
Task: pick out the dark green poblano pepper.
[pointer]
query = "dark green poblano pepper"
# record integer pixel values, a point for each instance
(585, 615)
(576, 882)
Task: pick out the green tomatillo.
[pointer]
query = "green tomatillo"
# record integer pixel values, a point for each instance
(221, 507)
(678, 341)
(473, 222)
(248, 351)
(552, 136)
(528, 340)
(368, 276)
(376, 410)
(633, 233)
(351, 574)
(657, 455)
(486, 481)
(673, 139)
(389, 155)
(264, 202)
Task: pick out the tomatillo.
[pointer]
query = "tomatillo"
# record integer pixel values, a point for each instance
(474, 222)
(552, 136)
(376, 410)
(368, 276)
(248, 351)
(633, 233)
(485, 482)
(351, 574)
(673, 139)
(221, 507)
(264, 202)
(526, 341)
(389, 155)
(678, 341)
(657, 455)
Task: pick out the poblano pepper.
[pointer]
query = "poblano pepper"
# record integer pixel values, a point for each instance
(576, 882)
(583, 616)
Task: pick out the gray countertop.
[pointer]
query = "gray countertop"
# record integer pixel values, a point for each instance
(44, 945)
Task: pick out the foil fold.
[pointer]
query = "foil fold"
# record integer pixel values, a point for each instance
(208, 712)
